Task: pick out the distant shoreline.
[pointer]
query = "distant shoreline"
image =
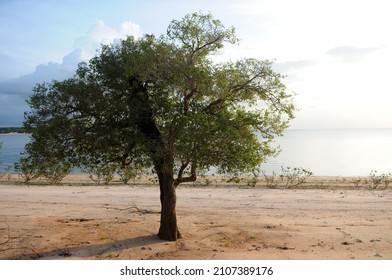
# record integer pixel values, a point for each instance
(13, 133)
(11, 130)
(313, 182)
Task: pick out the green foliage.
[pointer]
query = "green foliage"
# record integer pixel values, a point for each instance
(234, 179)
(27, 170)
(11, 130)
(54, 173)
(101, 173)
(127, 173)
(40, 161)
(104, 173)
(30, 169)
(162, 103)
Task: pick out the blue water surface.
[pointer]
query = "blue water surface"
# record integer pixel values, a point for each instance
(343, 152)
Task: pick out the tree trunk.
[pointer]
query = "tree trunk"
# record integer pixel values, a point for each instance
(162, 158)
(168, 228)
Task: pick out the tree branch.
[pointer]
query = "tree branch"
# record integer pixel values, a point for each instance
(182, 169)
(242, 86)
(209, 43)
(190, 178)
(205, 45)
(210, 106)
(187, 99)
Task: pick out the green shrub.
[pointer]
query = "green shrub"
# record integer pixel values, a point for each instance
(52, 171)
(101, 173)
(126, 173)
(56, 172)
(26, 169)
(234, 179)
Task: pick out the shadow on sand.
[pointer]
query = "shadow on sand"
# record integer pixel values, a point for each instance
(88, 251)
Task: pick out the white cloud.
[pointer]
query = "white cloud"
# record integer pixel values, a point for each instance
(352, 53)
(86, 47)
(293, 69)
(13, 92)
(100, 34)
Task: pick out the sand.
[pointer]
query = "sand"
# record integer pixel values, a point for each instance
(217, 222)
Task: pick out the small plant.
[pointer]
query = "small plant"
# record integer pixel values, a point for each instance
(104, 236)
(234, 179)
(356, 182)
(111, 255)
(126, 173)
(387, 180)
(55, 173)
(252, 182)
(33, 168)
(207, 181)
(270, 180)
(294, 176)
(27, 170)
(375, 178)
(102, 173)
(378, 179)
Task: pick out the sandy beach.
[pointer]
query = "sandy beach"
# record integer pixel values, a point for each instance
(78, 221)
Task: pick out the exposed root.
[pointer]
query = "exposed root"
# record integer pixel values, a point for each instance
(134, 209)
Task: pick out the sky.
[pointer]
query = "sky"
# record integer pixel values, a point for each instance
(336, 55)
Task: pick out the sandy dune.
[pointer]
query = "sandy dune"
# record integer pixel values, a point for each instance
(120, 222)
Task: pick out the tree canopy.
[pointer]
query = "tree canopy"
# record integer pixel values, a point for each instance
(161, 103)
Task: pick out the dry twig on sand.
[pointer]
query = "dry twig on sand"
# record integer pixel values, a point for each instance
(134, 208)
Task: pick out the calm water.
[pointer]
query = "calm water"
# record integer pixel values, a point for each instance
(353, 152)
(13, 145)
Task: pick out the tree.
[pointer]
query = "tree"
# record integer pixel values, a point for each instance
(162, 103)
